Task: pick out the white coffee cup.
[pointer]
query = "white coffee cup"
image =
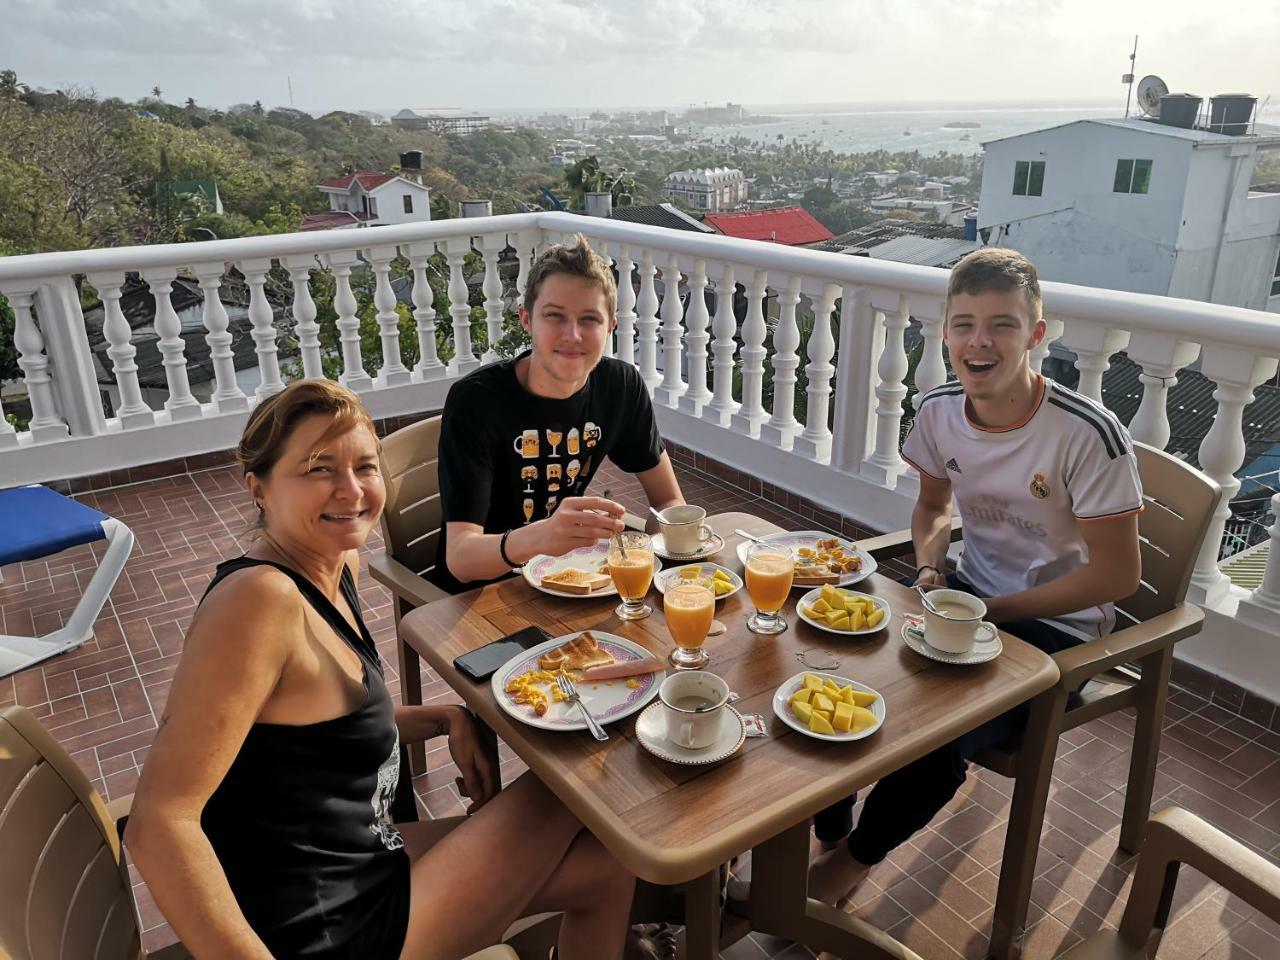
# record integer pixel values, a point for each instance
(682, 694)
(955, 628)
(682, 528)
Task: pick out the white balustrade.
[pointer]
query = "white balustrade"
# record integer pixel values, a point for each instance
(783, 426)
(1053, 330)
(931, 371)
(429, 366)
(625, 349)
(393, 371)
(815, 442)
(672, 386)
(751, 414)
(45, 424)
(1093, 344)
(1262, 607)
(464, 358)
(263, 320)
(490, 246)
(647, 323)
(602, 248)
(353, 373)
(1161, 357)
(227, 394)
(722, 407)
(181, 404)
(304, 314)
(885, 464)
(133, 411)
(696, 319)
(8, 435)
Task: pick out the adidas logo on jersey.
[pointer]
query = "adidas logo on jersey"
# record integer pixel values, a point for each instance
(952, 465)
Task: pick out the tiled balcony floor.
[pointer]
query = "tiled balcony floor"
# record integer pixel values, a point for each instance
(935, 895)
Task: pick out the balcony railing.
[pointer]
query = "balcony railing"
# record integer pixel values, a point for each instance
(707, 371)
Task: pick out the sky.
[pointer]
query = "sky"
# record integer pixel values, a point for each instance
(585, 54)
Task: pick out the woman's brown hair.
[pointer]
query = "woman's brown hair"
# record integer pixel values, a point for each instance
(274, 420)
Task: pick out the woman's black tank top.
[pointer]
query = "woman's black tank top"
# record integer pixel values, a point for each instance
(300, 822)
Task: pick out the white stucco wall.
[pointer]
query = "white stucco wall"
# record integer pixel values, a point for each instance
(391, 205)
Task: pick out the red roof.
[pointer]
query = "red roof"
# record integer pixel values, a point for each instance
(366, 178)
(333, 219)
(790, 226)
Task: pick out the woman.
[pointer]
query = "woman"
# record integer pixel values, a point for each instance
(261, 820)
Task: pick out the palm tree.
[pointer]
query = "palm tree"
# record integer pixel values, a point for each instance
(191, 103)
(157, 93)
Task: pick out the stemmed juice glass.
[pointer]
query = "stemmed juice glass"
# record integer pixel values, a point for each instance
(631, 567)
(689, 607)
(769, 571)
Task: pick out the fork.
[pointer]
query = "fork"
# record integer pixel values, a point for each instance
(570, 691)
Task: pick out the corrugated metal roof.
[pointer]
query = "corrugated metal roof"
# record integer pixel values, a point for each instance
(791, 226)
(660, 215)
(925, 251)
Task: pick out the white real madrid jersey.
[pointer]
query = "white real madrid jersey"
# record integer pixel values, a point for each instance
(1023, 490)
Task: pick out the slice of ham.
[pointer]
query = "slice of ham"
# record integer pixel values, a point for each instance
(631, 668)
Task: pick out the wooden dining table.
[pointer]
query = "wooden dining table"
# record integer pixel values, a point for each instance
(675, 824)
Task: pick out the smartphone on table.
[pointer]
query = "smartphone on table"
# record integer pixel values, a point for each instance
(483, 662)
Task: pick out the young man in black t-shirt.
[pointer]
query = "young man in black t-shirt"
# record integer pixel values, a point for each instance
(521, 439)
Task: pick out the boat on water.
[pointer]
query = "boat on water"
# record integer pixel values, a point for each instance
(906, 133)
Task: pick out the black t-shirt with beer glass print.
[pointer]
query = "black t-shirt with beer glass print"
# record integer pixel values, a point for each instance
(508, 457)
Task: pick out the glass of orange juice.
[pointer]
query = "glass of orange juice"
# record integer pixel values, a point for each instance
(689, 606)
(631, 567)
(769, 571)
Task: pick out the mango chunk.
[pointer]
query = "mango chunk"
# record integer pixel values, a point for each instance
(803, 695)
(690, 573)
(860, 698)
(843, 718)
(812, 682)
(721, 587)
(875, 618)
(821, 701)
(861, 719)
(820, 606)
(819, 724)
(802, 711)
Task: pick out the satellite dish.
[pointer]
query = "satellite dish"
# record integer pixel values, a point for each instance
(1150, 89)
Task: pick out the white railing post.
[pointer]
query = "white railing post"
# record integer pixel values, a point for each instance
(722, 407)
(752, 413)
(1093, 344)
(181, 404)
(602, 248)
(782, 426)
(133, 411)
(1262, 607)
(931, 371)
(1053, 330)
(1236, 373)
(672, 386)
(262, 317)
(647, 323)
(525, 242)
(354, 376)
(861, 340)
(227, 394)
(304, 314)
(885, 464)
(696, 319)
(1161, 357)
(815, 442)
(626, 332)
(45, 424)
(464, 358)
(491, 244)
(393, 371)
(66, 344)
(429, 366)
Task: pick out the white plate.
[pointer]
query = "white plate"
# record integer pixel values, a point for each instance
(672, 575)
(584, 558)
(782, 707)
(987, 647)
(651, 731)
(811, 597)
(607, 700)
(805, 538)
(708, 549)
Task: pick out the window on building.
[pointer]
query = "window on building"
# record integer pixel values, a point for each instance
(1132, 176)
(373, 206)
(1028, 178)
(408, 203)
(1275, 278)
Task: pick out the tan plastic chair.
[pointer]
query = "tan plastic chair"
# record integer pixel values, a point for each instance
(411, 536)
(1128, 668)
(64, 889)
(1176, 837)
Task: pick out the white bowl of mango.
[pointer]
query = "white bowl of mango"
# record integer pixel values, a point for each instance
(847, 612)
(827, 707)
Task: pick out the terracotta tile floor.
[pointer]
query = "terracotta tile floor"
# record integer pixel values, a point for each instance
(935, 895)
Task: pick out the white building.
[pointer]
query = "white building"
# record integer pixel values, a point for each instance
(713, 190)
(369, 199)
(440, 120)
(1137, 205)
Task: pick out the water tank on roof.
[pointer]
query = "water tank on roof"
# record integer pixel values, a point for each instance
(411, 160)
(970, 227)
(1230, 113)
(1179, 109)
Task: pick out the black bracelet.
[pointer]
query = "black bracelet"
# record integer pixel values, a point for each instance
(502, 550)
(926, 566)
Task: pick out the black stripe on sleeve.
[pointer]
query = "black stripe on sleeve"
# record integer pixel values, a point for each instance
(1107, 418)
(945, 390)
(1092, 421)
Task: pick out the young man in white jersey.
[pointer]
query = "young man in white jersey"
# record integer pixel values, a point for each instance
(1048, 491)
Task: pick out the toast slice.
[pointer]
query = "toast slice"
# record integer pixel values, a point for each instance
(576, 580)
(815, 573)
(581, 652)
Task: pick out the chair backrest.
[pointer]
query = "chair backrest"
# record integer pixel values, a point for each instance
(410, 471)
(64, 891)
(1179, 501)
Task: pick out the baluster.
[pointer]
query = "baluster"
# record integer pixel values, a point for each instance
(424, 313)
(353, 374)
(697, 338)
(672, 313)
(8, 436)
(752, 413)
(464, 359)
(885, 465)
(181, 404)
(133, 411)
(1053, 330)
(1093, 344)
(815, 441)
(1161, 357)
(1262, 607)
(1236, 373)
(304, 314)
(626, 332)
(783, 426)
(393, 371)
(45, 424)
(227, 395)
(491, 244)
(526, 241)
(602, 248)
(931, 371)
(647, 323)
(724, 326)
(264, 327)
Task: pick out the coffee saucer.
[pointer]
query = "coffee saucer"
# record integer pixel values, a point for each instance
(986, 647)
(707, 549)
(651, 731)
